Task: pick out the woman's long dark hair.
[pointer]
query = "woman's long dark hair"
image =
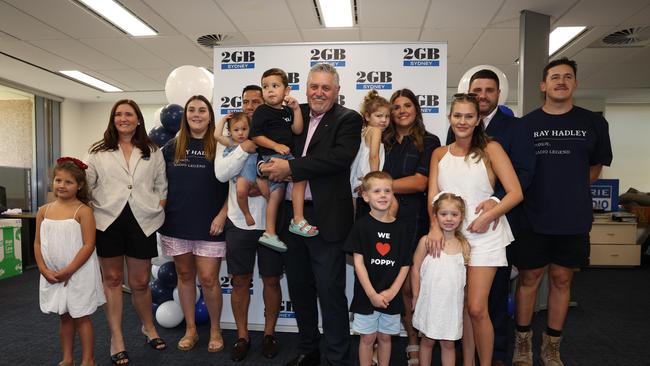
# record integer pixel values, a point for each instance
(112, 138)
(183, 138)
(416, 131)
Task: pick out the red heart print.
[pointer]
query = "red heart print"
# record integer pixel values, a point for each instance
(382, 248)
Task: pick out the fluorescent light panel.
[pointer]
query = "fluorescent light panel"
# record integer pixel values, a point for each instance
(336, 13)
(561, 36)
(120, 17)
(87, 79)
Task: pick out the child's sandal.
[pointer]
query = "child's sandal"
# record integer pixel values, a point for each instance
(303, 228)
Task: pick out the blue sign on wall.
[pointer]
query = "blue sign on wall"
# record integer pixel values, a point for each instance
(604, 194)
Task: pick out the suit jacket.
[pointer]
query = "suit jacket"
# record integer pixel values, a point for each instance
(512, 133)
(327, 168)
(142, 184)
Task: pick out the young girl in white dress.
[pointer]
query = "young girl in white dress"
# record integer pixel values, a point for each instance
(375, 110)
(439, 283)
(64, 247)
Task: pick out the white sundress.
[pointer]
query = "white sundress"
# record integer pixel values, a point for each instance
(361, 164)
(469, 179)
(61, 240)
(439, 310)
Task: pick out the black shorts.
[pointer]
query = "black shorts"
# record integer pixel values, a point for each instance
(241, 248)
(535, 250)
(125, 237)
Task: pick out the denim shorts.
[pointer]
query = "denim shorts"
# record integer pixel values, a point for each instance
(376, 322)
(276, 185)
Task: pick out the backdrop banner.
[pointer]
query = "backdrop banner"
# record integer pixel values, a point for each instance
(386, 67)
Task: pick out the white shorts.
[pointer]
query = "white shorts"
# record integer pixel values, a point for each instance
(492, 258)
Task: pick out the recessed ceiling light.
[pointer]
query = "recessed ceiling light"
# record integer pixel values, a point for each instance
(561, 36)
(121, 17)
(336, 13)
(87, 79)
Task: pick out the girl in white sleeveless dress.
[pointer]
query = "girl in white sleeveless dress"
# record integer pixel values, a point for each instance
(470, 167)
(64, 248)
(439, 283)
(375, 110)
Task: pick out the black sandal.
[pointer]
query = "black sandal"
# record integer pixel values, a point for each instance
(120, 356)
(156, 343)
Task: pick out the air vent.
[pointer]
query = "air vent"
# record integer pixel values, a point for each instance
(628, 37)
(214, 40)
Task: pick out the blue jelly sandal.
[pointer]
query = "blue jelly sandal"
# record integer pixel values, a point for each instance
(303, 229)
(272, 242)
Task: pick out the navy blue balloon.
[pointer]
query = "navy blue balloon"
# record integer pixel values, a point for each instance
(170, 117)
(159, 135)
(161, 293)
(507, 111)
(167, 275)
(201, 314)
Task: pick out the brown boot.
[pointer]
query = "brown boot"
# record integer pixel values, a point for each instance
(523, 353)
(551, 350)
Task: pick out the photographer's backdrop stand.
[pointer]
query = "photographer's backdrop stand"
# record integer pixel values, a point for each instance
(387, 67)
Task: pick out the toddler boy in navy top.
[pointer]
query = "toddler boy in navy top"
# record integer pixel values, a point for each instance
(274, 125)
(382, 257)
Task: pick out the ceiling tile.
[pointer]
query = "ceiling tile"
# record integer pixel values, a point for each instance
(609, 12)
(177, 50)
(270, 37)
(159, 75)
(204, 17)
(386, 13)
(641, 17)
(127, 51)
(475, 14)
(512, 9)
(259, 15)
(331, 35)
(495, 46)
(68, 17)
(37, 56)
(133, 80)
(304, 13)
(23, 26)
(390, 34)
(79, 53)
(603, 55)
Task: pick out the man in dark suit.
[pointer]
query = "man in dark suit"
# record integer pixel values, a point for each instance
(511, 133)
(315, 266)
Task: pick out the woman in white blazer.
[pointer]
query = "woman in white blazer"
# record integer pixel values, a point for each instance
(126, 174)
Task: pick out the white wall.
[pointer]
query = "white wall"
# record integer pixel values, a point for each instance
(82, 124)
(629, 129)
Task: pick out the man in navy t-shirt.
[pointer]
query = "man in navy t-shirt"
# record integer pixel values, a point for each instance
(571, 146)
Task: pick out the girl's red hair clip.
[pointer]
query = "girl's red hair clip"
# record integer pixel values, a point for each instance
(80, 164)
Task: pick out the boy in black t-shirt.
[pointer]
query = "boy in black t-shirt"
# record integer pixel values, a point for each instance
(273, 127)
(381, 250)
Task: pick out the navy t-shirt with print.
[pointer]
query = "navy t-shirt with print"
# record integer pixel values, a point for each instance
(274, 124)
(558, 201)
(194, 195)
(385, 251)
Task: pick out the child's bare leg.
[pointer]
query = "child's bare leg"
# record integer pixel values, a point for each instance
(447, 353)
(243, 186)
(366, 343)
(426, 350)
(84, 327)
(469, 347)
(263, 186)
(66, 334)
(272, 207)
(383, 351)
(298, 200)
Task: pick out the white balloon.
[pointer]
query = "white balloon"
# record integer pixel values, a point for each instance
(186, 81)
(169, 314)
(178, 299)
(154, 271)
(463, 84)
